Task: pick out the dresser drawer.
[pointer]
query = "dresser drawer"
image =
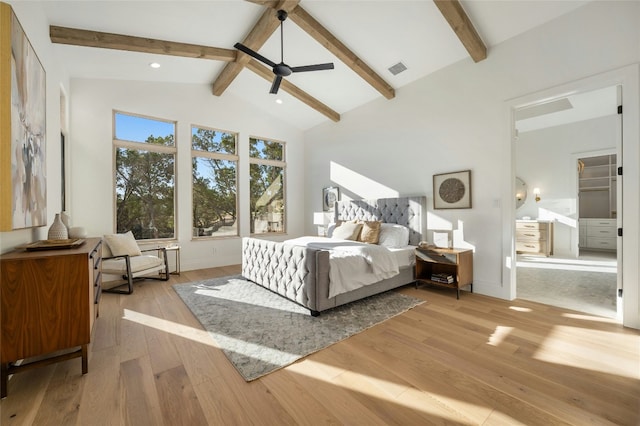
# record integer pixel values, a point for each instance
(532, 226)
(601, 243)
(601, 232)
(531, 235)
(598, 222)
(531, 246)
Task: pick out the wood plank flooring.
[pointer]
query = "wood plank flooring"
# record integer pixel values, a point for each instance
(473, 361)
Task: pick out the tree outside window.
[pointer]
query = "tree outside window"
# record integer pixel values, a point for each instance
(144, 176)
(214, 183)
(267, 186)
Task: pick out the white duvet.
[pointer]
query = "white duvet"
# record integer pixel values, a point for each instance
(352, 264)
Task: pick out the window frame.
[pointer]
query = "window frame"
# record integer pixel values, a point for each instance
(215, 156)
(276, 163)
(143, 146)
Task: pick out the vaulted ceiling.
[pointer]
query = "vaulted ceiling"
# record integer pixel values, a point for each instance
(193, 42)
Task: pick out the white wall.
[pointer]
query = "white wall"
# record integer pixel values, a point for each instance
(91, 173)
(36, 27)
(455, 119)
(546, 159)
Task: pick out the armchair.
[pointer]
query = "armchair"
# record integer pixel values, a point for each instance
(121, 256)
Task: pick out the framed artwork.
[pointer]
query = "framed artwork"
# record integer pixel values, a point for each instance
(22, 128)
(452, 190)
(329, 197)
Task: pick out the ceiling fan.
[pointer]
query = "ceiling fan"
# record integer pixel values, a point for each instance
(281, 70)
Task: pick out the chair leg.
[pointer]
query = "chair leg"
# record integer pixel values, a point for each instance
(166, 265)
(129, 283)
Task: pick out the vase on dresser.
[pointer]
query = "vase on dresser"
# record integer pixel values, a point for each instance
(58, 230)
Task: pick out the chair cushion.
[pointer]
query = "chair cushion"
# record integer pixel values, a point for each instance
(138, 264)
(121, 244)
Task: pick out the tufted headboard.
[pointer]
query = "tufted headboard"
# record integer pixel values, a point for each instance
(407, 211)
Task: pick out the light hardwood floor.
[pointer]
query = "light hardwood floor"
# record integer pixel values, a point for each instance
(471, 361)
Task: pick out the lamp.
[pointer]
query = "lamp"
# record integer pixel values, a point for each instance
(320, 219)
(536, 192)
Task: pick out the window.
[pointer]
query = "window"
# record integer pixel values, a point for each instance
(214, 182)
(266, 185)
(145, 157)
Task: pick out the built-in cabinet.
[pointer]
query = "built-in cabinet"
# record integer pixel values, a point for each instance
(597, 187)
(597, 180)
(598, 234)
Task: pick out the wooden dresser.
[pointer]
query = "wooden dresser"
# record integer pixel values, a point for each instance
(534, 237)
(49, 301)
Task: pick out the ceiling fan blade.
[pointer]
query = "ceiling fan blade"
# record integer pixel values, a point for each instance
(276, 84)
(241, 47)
(318, 67)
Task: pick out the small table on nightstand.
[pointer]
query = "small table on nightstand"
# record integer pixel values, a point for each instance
(175, 248)
(452, 268)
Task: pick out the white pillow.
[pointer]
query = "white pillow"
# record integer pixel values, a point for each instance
(393, 235)
(330, 228)
(121, 244)
(347, 231)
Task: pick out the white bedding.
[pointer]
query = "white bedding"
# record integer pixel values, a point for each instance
(353, 264)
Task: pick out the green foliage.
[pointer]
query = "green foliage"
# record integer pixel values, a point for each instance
(145, 191)
(266, 181)
(214, 182)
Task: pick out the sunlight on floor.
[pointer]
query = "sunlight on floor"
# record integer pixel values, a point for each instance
(609, 266)
(191, 333)
(408, 397)
(260, 352)
(558, 349)
(585, 317)
(498, 336)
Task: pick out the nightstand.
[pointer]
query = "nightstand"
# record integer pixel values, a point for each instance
(452, 268)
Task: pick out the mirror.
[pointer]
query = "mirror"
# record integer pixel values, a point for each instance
(521, 192)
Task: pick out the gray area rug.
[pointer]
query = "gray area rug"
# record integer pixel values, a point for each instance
(260, 331)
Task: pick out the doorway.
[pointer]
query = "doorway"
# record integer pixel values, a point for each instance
(569, 263)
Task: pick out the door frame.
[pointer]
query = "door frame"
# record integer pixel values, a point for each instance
(629, 79)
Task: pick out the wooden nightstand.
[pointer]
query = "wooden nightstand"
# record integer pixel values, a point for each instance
(452, 268)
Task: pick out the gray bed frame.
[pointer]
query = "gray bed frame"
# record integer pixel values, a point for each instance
(301, 274)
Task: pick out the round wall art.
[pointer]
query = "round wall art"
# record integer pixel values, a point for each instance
(452, 190)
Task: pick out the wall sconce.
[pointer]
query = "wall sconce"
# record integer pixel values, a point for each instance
(536, 192)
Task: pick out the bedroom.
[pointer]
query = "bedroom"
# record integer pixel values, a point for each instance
(424, 121)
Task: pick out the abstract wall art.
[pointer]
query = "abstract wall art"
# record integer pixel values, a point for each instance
(22, 128)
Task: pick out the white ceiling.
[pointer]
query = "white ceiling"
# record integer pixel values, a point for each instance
(570, 109)
(380, 32)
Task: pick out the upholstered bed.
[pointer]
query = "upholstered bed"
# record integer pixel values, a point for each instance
(301, 273)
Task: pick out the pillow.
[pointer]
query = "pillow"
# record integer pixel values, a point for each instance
(347, 231)
(370, 232)
(330, 228)
(393, 235)
(121, 244)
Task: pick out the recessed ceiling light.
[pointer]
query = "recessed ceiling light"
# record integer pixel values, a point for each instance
(278, 101)
(154, 65)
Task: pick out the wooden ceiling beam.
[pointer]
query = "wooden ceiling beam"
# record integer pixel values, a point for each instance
(256, 38)
(312, 27)
(293, 90)
(78, 37)
(463, 27)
